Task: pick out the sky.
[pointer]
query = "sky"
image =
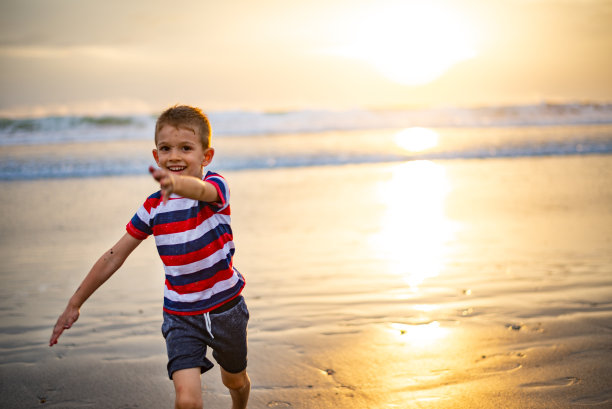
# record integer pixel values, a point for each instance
(71, 56)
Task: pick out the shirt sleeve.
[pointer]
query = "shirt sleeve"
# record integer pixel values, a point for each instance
(141, 225)
(220, 184)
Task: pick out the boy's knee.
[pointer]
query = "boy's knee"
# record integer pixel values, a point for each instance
(187, 388)
(188, 401)
(188, 397)
(235, 381)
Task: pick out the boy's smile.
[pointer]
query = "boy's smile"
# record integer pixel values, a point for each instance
(180, 151)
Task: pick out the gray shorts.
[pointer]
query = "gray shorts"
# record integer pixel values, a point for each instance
(187, 338)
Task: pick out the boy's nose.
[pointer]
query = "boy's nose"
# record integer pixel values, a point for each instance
(174, 154)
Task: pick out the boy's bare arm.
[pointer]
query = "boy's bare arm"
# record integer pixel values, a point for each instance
(185, 186)
(101, 271)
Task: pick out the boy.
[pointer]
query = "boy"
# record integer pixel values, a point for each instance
(190, 219)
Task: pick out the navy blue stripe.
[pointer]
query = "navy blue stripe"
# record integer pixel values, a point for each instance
(194, 245)
(217, 180)
(180, 215)
(176, 216)
(210, 174)
(140, 225)
(204, 304)
(203, 274)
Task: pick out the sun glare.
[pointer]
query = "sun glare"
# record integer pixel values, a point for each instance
(411, 43)
(414, 230)
(416, 139)
(420, 335)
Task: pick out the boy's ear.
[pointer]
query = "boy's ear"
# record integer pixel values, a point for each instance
(155, 156)
(208, 156)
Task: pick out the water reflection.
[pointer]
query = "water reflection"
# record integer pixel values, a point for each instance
(423, 335)
(414, 229)
(416, 139)
(413, 243)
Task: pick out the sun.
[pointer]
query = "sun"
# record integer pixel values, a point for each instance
(411, 42)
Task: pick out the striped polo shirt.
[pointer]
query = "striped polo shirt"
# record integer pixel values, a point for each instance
(195, 242)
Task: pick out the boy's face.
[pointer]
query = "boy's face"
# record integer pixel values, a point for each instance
(180, 151)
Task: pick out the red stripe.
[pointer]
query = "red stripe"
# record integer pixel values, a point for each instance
(201, 285)
(182, 226)
(134, 232)
(201, 254)
(219, 192)
(151, 203)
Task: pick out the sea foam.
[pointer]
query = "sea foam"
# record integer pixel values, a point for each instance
(84, 146)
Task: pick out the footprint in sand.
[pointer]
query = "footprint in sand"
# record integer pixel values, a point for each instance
(570, 380)
(498, 364)
(278, 404)
(594, 400)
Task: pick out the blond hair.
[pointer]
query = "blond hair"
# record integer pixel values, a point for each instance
(187, 117)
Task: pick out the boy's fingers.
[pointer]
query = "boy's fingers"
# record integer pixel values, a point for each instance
(56, 334)
(53, 341)
(63, 323)
(152, 171)
(59, 329)
(165, 182)
(156, 173)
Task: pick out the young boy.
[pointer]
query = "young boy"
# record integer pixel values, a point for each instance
(190, 219)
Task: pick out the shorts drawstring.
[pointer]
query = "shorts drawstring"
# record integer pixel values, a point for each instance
(208, 325)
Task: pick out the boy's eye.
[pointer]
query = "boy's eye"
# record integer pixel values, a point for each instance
(164, 148)
(186, 148)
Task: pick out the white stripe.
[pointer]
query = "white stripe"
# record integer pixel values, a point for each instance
(193, 234)
(203, 295)
(177, 203)
(208, 324)
(207, 262)
(143, 215)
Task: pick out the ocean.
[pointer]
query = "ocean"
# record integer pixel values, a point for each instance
(92, 146)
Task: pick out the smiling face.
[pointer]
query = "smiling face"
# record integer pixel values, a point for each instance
(180, 151)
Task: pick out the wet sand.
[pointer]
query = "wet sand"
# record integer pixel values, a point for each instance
(445, 284)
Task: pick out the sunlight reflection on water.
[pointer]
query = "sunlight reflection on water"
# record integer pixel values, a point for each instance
(414, 229)
(423, 335)
(416, 139)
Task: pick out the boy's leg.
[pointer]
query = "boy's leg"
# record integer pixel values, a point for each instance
(187, 388)
(239, 386)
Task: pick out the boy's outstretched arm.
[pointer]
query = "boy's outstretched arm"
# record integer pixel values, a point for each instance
(101, 271)
(186, 186)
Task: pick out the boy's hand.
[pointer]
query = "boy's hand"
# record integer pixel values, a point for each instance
(65, 321)
(166, 181)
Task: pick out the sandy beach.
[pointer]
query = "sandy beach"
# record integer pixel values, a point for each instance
(423, 284)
